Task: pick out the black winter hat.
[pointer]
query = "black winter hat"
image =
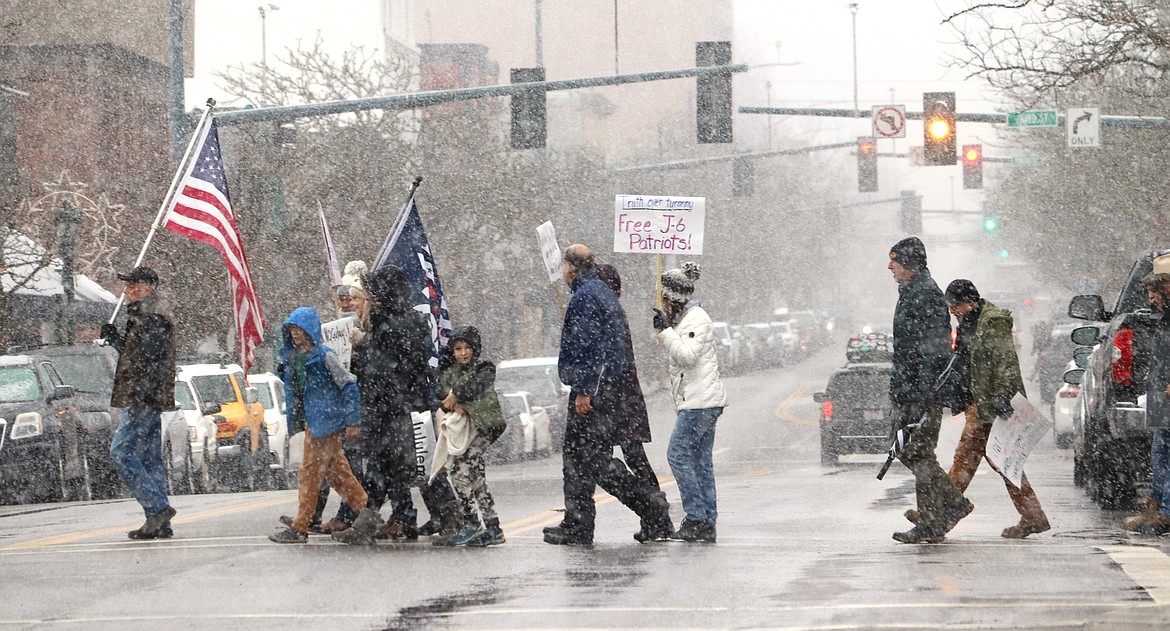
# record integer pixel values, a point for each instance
(909, 253)
(962, 291)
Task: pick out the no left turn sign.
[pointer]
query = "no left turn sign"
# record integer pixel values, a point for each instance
(889, 121)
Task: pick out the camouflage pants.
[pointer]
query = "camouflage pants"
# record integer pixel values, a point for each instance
(469, 479)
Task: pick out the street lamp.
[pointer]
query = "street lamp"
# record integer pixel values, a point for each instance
(264, 44)
(853, 10)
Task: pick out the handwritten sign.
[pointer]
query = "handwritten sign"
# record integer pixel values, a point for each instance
(1012, 439)
(550, 252)
(658, 224)
(335, 335)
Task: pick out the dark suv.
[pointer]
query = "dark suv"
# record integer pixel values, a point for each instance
(1111, 446)
(42, 453)
(855, 406)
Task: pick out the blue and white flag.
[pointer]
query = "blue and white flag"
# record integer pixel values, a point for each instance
(410, 252)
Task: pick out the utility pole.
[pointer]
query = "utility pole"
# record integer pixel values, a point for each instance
(178, 118)
(853, 10)
(615, 38)
(539, 35)
(68, 218)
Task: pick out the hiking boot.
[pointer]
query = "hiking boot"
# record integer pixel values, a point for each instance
(918, 534)
(548, 529)
(695, 531)
(314, 528)
(398, 531)
(363, 530)
(491, 535)
(157, 526)
(332, 526)
(432, 527)
(288, 535)
(465, 534)
(1156, 525)
(1142, 521)
(1026, 527)
(659, 532)
(952, 516)
(558, 536)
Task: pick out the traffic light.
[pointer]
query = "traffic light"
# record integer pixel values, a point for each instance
(911, 213)
(990, 224)
(713, 93)
(938, 128)
(867, 175)
(529, 125)
(972, 166)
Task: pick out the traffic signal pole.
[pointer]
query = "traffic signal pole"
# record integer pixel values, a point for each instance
(1131, 122)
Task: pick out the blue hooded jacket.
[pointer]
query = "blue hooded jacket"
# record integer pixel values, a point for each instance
(331, 400)
(593, 337)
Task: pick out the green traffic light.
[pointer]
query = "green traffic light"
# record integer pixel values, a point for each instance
(989, 224)
(1003, 254)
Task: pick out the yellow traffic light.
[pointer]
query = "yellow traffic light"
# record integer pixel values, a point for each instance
(940, 128)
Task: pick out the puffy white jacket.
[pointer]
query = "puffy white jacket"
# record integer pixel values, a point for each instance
(694, 370)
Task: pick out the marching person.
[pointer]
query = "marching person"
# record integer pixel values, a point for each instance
(685, 330)
(922, 332)
(323, 397)
(469, 383)
(592, 358)
(986, 377)
(1155, 518)
(144, 385)
(630, 417)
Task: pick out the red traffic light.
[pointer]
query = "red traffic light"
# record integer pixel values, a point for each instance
(972, 153)
(865, 146)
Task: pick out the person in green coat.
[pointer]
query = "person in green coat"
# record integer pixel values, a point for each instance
(468, 386)
(987, 376)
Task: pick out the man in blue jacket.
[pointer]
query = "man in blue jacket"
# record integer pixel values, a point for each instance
(592, 360)
(322, 397)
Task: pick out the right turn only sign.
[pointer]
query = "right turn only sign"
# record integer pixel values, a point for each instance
(1084, 127)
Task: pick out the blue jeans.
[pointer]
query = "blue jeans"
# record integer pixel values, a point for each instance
(1160, 468)
(137, 453)
(689, 455)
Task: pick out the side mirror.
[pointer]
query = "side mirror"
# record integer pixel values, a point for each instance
(211, 408)
(1074, 376)
(1081, 357)
(1086, 335)
(250, 395)
(62, 392)
(820, 397)
(1087, 308)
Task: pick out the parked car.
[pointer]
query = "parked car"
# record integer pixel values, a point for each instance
(243, 457)
(528, 433)
(1063, 408)
(1112, 447)
(186, 472)
(728, 347)
(759, 346)
(42, 455)
(270, 395)
(855, 411)
(811, 330)
(784, 341)
(538, 377)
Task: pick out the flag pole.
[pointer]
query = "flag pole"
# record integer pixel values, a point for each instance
(396, 228)
(154, 226)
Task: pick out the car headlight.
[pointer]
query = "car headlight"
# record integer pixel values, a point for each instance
(192, 434)
(27, 425)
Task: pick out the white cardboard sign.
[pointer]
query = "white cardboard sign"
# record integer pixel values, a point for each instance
(335, 335)
(658, 224)
(1012, 439)
(550, 252)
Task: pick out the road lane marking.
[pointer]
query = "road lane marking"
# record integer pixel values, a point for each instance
(781, 412)
(182, 518)
(1148, 567)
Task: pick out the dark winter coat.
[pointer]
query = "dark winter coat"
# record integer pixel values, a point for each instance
(146, 357)
(1157, 403)
(922, 340)
(631, 421)
(995, 368)
(392, 370)
(329, 397)
(474, 385)
(593, 337)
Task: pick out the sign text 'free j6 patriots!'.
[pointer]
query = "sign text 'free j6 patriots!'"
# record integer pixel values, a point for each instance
(658, 224)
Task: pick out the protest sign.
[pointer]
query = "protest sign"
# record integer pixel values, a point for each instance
(550, 252)
(1012, 439)
(335, 335)
(658, 224)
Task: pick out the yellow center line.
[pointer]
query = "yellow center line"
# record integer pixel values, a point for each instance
(781, 412)
(554, 516)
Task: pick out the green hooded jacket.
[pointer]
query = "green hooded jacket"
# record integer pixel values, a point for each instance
(995, 368)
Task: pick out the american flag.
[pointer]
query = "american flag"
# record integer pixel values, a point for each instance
(202, 210)
(410, 252)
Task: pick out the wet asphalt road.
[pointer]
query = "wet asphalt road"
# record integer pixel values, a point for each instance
(800, 547)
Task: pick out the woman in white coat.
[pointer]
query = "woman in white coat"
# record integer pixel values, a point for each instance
(685, 330)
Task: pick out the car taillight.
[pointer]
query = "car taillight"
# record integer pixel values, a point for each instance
(1070, 392)
(1122, 367)
(954, 339)
(827, 410)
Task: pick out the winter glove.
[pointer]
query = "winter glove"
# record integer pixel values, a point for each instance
(1002, 407)
(109, 333)
(660, 323)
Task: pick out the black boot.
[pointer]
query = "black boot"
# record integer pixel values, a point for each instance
(559, 536)
(658, 527)
(157, 526)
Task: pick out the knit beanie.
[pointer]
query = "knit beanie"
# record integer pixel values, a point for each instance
(961, 291)
(909, 253)
(678, 284)
(351, 280)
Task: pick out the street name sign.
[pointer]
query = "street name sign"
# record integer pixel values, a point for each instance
(1037, 118)
(1029, 161)
(889, 121)
(1084, 127)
